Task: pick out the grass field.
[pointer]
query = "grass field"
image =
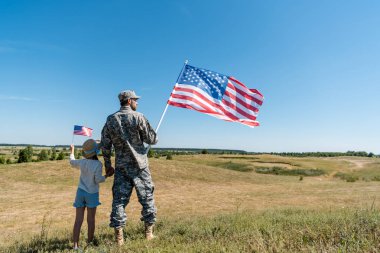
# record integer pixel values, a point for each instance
(206, 203)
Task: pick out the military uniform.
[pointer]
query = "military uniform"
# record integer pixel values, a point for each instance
(127, 130)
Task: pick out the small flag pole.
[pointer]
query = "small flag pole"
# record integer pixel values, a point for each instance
(72, 142)
(167, 105)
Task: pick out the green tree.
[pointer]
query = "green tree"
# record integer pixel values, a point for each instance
(53, 154)
(150, 153)
(77, 153)
(22, 157)
(204, 152)
(61, 156)
(29, 153)
(43, 155)
(25, 155)
(2, 160)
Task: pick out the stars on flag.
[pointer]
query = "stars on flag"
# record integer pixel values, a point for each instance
(211, 82)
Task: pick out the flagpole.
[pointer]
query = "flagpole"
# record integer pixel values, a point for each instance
(167, 105)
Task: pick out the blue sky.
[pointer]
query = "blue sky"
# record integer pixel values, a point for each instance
(316, 62)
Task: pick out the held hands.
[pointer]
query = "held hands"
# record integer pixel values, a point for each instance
(110, 171)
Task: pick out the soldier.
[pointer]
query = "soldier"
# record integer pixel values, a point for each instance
(127, 130)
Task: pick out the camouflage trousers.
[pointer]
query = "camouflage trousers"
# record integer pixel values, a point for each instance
(124, 181)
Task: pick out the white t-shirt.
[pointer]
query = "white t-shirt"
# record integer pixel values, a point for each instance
(90, 173)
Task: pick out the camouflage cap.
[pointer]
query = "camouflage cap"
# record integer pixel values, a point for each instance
(127, 94)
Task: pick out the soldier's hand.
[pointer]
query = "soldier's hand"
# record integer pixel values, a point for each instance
(110, 171)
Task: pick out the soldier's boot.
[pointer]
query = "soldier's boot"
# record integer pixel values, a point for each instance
(149, 231)
(119, 236)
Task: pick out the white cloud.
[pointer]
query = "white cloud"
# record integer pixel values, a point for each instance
(2, 97)
(7, 46)
(6, 49)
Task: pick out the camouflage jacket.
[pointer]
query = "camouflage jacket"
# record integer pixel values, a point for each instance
(127, 130)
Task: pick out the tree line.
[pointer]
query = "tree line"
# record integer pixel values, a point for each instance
(320, 154)
(29, 155)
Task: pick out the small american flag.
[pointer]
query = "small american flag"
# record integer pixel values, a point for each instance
(217, 95)
(82, 130)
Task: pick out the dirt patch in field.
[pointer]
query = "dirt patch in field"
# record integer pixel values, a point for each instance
(359, 163)
(354, 162)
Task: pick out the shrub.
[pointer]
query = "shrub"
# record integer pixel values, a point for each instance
(367, 179)
(169, 156)
(346, 177)
(204, 152)
(77, 153)
(352, 179)
(289, 172)
(25, 155)
(22, 158)
(232, 166)
(61, 156)
(43, 156)
(53, 154)
(2, 160)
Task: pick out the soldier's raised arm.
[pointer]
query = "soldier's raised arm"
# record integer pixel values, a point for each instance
(106, 144)
(147, 132)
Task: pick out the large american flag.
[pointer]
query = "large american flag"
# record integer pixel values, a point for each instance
(217, 95)
(82, 130)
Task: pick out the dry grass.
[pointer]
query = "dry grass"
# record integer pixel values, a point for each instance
(185, 186)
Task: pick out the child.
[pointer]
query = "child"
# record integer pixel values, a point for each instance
(88, 188)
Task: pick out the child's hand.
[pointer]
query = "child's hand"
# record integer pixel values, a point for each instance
(72, 148)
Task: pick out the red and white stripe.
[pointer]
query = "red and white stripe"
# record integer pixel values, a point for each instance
(239, 104)
(85, 131)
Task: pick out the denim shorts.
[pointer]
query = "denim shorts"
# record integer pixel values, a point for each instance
(85, 199)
